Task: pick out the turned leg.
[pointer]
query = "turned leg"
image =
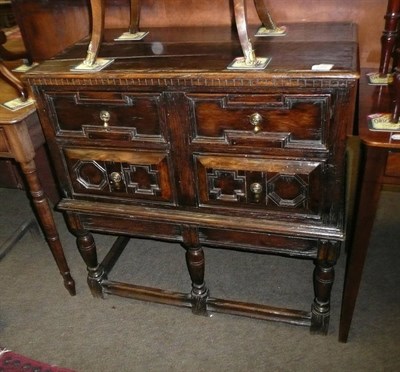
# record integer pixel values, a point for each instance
(196, 266)
(324, 275)
(396, 106)
(47, 222)
(87, 249)
(389, 35)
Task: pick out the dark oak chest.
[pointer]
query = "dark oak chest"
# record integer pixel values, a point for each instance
(167, 143)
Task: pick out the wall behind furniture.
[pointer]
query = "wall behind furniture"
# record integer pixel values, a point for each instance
(49, 26)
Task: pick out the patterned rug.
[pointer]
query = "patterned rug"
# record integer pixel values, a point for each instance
(12, 362)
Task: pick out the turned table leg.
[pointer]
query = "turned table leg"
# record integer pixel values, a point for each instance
(87, 249)
(324, 275)
(196, 266)
(389, 35)
(47, 222)
(396, 106)
(23, 151)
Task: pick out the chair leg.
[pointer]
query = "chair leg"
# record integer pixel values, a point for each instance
(10, 78)
(134, 16)
(264, 15)
(97, 7)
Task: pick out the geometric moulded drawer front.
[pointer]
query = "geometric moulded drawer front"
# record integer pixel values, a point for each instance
(272, 120)
(79, 113)
(120, 174)
(279, 186)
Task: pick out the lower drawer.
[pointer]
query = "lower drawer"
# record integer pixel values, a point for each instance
(114, 174)
(288, 187)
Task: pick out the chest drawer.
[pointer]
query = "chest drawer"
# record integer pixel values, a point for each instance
(118, 174)
(289, 187)
(107, 115)
(262, 120)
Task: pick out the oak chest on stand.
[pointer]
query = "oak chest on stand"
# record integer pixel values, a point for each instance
(168, 143)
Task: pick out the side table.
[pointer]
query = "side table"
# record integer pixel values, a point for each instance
(20, 135)
(379, 165)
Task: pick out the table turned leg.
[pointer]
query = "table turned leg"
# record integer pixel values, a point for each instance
(87, 249)
(372, 168)
(396, 106)
(389, 35)
(324, 275)
(196, 266)
(47, 222)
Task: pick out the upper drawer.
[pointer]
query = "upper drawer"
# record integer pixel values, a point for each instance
(107, 115)
(262, 120)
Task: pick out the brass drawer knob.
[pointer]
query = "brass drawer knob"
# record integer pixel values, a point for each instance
(116, 180)
(105, 117)
(116, 177)
(256, 188)
(256, 121)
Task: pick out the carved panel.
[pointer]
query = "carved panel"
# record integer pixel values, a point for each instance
(284, 186)
(142, 179)
(90, 174)
(142, 176)
(226, 185)
(287, 190)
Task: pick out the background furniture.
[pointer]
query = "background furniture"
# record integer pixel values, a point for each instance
(380, 165)
(20, 135)
(389, 37)
(12, 51)
(58, 16)
(379, 159)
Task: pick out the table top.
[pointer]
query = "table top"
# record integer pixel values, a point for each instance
(375, 99)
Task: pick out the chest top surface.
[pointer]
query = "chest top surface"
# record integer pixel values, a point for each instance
(200, 56)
